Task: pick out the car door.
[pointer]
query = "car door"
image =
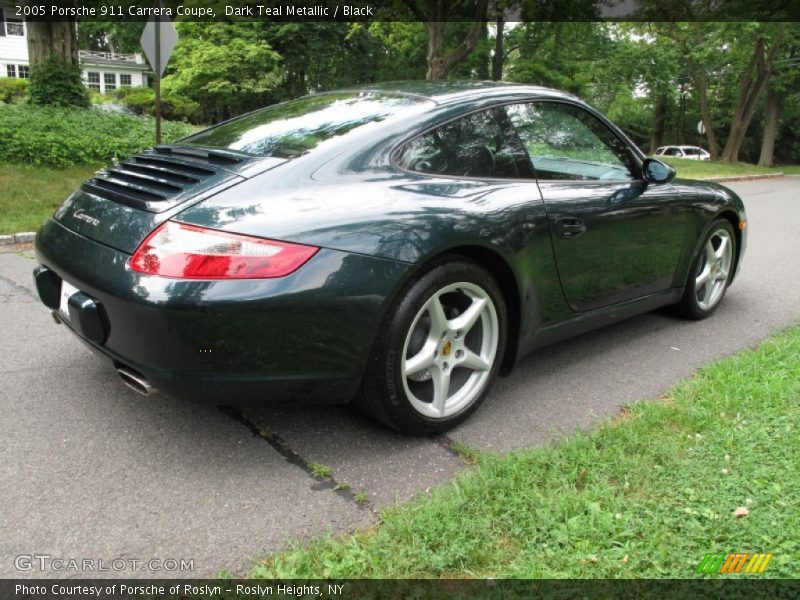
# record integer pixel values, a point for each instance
(615, 237)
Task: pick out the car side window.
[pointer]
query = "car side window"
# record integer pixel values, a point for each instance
(674, 152)
(566, 142)
(477, 145)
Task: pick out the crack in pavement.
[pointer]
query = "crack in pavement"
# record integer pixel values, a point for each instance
(449, 444)
(20, 288)
(293, 457)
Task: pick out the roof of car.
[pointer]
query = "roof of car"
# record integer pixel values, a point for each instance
(442, 92)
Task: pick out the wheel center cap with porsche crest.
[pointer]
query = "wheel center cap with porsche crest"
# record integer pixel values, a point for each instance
(447, 348)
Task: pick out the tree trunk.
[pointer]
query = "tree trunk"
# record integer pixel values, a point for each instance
(46, 38)
(771, 119)
(700, 78)
(440, 65)
(436, 66)
(483, 64)
(659, 122)
(682, 115)
(499, 56)
(699, 75)
(746, 89)
(750, 89)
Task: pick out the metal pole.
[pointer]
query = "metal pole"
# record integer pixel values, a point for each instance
(158, 72)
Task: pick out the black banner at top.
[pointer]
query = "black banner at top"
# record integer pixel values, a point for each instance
(406, 10)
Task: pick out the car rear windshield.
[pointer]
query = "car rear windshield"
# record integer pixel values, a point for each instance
(293, 128)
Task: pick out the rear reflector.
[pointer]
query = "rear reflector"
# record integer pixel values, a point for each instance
(191, 252)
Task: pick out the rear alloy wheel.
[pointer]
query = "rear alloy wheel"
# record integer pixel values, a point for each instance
(711, 272)
(440, 352)
(450, 349)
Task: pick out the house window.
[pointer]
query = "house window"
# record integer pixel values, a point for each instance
(11, 70)
(124, 80)
(110, 79)
(14, 27)
(24, 71)
(93, 80)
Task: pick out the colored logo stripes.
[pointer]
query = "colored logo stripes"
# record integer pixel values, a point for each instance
(736, 562)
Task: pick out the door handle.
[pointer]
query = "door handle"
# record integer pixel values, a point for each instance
(570, 227)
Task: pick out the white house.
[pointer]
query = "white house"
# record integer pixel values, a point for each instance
(102, 71)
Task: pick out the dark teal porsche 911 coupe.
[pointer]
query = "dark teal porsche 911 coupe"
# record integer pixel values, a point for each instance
(397, 245)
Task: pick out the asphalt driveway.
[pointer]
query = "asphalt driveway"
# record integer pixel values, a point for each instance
(93, 471)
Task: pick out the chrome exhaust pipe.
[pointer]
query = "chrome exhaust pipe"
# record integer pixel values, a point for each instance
(136, 382)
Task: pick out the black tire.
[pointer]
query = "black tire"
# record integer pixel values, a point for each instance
(691, 304)
(397, 400)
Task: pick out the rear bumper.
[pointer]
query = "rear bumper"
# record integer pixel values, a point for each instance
(301, 338)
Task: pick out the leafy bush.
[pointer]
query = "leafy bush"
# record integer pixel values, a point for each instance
(226, 71)
(12, 89)
(57, 83)
(142, 101)
(59, 137)
(96, 97)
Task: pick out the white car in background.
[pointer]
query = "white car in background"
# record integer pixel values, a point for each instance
(687, 152)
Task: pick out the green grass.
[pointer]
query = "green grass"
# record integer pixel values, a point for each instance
(28, 195)
(646, 494)
(321, 471)
(705, 169)
(46, 152)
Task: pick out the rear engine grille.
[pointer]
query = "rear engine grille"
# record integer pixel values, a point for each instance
(157, 179)
(215, 157)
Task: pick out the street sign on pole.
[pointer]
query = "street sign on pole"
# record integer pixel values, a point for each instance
(158, 41)
(167, 38)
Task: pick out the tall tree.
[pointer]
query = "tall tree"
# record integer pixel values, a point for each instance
(772, 117)
(783, 83)
(110, 36)
(224, 67)
(55, 73)
(659, 72)
(530, 12)
(697, 53)
(402, 50)
(751, 83)
(435, 15)
(546, 55)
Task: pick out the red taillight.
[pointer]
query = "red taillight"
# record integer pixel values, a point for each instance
(191, 252)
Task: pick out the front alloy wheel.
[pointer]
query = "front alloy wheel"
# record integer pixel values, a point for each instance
(711, 272)
(713, 269)
(438, 350)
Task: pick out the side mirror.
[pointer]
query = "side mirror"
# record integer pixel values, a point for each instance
(655, 171)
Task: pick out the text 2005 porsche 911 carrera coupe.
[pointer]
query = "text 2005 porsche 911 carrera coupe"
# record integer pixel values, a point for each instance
(397, 245)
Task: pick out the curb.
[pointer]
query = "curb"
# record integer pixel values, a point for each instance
(744, 177)
(23, 237)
